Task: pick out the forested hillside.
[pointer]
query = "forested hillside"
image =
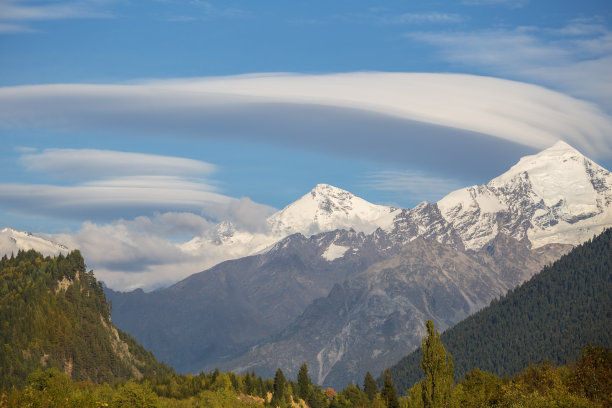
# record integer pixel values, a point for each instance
(53, 313)
(549, 318)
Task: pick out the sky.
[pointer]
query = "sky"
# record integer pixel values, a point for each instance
(131, 127)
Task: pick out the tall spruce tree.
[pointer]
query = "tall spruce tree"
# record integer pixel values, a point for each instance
(438, 367)
(369, 386)
(279, 396)
(304, 383)
(388, 393)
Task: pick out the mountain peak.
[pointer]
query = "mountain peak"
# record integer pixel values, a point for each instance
(329, 191)
(555, 196)
(560, 145)
(326, 208)
(558, 163)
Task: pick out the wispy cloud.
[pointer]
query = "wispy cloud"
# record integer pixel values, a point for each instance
(576, 58)
(422, 18)
(382, 16)
(199, 10)
(412, 182)
(508, 3)
(12, 11)
(10, 28)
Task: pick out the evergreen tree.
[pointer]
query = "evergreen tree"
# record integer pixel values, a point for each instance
(304, 384)
(438, 367)
(388, 393)
(280, 390)
(369, 386)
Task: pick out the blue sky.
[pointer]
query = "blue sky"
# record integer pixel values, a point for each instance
(236, 108)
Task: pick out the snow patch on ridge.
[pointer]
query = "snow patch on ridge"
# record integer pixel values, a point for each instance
(11, 241)
(334, 251)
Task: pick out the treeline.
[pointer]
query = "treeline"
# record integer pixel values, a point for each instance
(584, 384)
(53, 313)
(551, 318)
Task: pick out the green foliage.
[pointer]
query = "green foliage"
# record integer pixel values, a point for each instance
(551, 317)
(388, 393)
(593, 375)
(53, 313)
(369, 386)
(304, 384)
(437, 365)
(280, 394)
(479, 389)
(135, 395)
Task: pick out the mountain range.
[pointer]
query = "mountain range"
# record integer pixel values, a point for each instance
(350, 300)
(353, 296)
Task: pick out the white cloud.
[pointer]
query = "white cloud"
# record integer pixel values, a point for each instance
(376, 115)
(126, 257)
(91, 163)
(576, 58)
(114, 184)
(413, 182)
(144, 252)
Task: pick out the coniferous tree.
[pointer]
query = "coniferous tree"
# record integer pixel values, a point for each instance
(304, 383)
(369, 386)
(388, 393)
(280, 390)
(438, 367)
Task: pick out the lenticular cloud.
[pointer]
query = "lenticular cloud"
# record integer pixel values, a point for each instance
(327, 109)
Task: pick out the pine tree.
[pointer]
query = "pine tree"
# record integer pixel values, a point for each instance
(388, 393)
(369, 386)
(304, 383)
(280, 390)
(438, 367)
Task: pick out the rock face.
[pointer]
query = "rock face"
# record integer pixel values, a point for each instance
(374, 318)
(226, 309)
(354, 297)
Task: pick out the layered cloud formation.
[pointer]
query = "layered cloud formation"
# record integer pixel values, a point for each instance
(374, 115)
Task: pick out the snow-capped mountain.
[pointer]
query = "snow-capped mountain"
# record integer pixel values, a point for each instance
(324, 208)
(327, 208)
(11, 241)
(555, 196)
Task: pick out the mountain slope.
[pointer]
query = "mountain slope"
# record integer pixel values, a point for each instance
(228, 308)
(374, 318)
(549, 318)
(54, 314)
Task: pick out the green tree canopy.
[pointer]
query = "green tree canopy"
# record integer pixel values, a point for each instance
(438, 367)
(388, 393)
(369, 386)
